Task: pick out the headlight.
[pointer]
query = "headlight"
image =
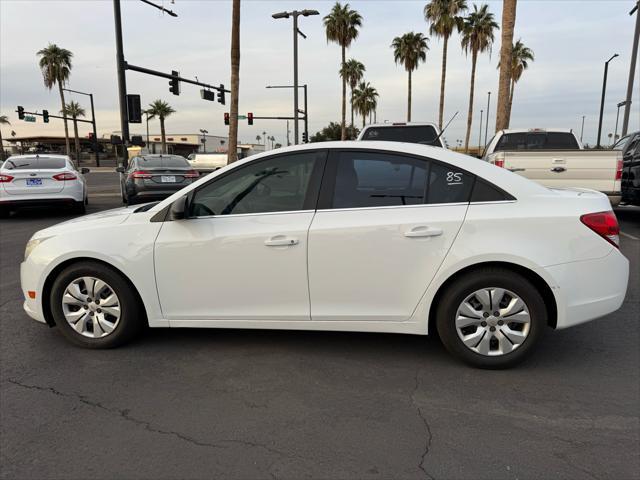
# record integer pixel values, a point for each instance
(31, 244)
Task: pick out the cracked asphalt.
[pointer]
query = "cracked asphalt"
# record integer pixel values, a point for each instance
(258, 404)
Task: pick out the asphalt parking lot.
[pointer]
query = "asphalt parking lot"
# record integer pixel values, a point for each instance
(260, 404)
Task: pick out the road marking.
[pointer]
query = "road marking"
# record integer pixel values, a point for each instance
(629, 236)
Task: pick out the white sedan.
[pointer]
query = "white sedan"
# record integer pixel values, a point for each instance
(351, 236)
(41, 180)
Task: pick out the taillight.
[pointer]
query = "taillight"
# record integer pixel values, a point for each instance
(604, 224)
(5, 178)
(140, 174)
(499, 162)
(191, 174)
(619, 169)
(64, 176)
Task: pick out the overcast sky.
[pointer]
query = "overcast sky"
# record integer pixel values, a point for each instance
(571, 41)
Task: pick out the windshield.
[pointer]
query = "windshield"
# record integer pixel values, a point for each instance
(163, 161)
(424, 134)
(537, 141)
(31, 163)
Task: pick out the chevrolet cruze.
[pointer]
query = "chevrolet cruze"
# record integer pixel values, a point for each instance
(351, 236)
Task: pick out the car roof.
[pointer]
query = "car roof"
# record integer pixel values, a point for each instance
(402, 124)
(538, 130)
(35, 155)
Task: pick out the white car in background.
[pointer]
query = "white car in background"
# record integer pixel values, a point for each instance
(207, 162)
(41, 180)
(424, 133)
(351, 236)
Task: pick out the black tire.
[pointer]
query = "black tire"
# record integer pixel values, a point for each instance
(132, 317)
(79, 208)
(456, 293)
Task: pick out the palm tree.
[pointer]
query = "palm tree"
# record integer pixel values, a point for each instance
(74, 110)
(341, 27)
(521, 55)
(162, 110)
(477, 37)
(55, 63)
(4, 120)
(353, 71)
(235, 82)
(365, 100)
(508, 25)
(443, 16)
(258, 138)
(409, 50)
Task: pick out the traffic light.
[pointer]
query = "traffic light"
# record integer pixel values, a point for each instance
(20, 112)
(250, 118)
(134, 108)
(174, 83)
(226, 119)
(221, 93)
(305, 138)
(45, 116)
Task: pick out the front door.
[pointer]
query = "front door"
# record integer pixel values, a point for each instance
(242, 254)
(386, 228)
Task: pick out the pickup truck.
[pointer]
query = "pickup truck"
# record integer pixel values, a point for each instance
(556, 158)
(630, 150)
(207, 162)
(413, 132)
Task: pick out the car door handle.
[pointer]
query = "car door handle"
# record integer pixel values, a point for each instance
(558, 160)
(558, 169)
(280, 241)
(517, 169)
(423, 231)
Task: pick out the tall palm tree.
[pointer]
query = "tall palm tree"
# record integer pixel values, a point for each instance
(235, 82)
(508, 25)
(353, 71)
(4, 120)
(365, 100)
(258, 138)
(521, 55)
(443, 17)
(74, 110)
(55, 63)
(477, 37)
(162, 110)
(409, 50)
(341, 27)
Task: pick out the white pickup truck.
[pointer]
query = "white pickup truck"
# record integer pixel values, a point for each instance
(556, 158)
(207, 162)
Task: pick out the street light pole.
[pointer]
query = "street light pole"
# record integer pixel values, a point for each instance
(480, 133)
(615, 132)
(295, 14)
(632, 69)
(582, 128)
(121, 67)
(93, 121)
(486, 128)
(604, 88)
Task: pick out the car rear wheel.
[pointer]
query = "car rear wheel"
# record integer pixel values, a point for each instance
(491, 318)
(80, 207)
(95, 307)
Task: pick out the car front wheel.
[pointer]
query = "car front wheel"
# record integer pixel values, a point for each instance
(491, 318)
(95, 307)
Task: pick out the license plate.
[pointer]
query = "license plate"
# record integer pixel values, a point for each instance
(168, 178)
(34, 182)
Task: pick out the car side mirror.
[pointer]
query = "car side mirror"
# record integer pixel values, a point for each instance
(84, 170)
(120, 169)
(178, 210)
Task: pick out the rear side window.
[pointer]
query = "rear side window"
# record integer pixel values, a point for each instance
(166, 161)
(448, 184)
(52, 163)
(537, 141)
(370, 179)
(424, 134)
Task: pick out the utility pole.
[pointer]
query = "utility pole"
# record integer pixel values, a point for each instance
(486, 128)
(582, 128)
(604, 89)
(288, 131)
(480, 133)
(632, 70)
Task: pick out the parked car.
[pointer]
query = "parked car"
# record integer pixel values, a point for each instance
(413, 132)
(207, 162)
(351, 236)
(42, 180)
(154, 177)
(631, 170)
(556, 158)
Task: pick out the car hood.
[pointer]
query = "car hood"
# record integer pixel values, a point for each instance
(108, 217)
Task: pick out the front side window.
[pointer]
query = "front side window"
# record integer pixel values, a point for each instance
(278, 184)
(369, 179)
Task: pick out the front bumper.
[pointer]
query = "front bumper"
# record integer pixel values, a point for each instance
(589, 289)
(30, 277)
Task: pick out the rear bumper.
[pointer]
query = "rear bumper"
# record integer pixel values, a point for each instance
(589, 289)
(18, 202)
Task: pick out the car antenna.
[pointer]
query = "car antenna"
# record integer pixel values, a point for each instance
(443, 130)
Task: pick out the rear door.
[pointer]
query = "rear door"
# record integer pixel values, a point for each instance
(386, 223)
(34, 175)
